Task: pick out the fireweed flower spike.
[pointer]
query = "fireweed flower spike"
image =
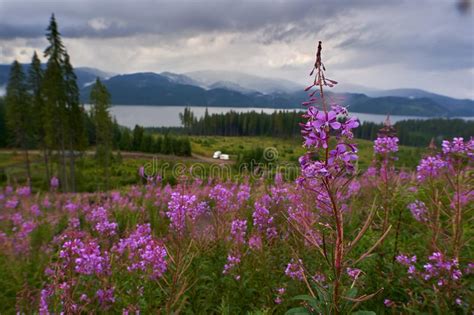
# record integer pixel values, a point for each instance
(385, 148)
(327, 169)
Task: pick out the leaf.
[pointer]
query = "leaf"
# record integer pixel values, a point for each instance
(303, 298)
(351, 293)
(364, 313)
(313, 302)
(297, 311)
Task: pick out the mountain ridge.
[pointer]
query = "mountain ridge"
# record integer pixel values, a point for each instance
(168, 88)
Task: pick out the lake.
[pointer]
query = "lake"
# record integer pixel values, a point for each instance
(168, 116)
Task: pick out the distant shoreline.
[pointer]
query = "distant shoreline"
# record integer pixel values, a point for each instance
(302, 108)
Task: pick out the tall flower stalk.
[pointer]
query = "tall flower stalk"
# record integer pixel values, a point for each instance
(328, 168)
(385, 147)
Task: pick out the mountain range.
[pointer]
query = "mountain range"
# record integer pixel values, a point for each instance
(233, 89)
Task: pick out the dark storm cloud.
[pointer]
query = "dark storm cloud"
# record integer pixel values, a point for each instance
(109, 18)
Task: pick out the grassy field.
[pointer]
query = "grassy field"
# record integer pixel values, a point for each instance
(234, 247)
(124, 169)
(289, 150)
(89, 176)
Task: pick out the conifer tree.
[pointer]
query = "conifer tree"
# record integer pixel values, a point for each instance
(35, 81)
(3, 124)
(100, 100)
(54, 91)
(75, 129)
(18, 112)
(137, 137)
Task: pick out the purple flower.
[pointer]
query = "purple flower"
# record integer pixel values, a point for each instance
(430, 167)
(144, 253)
(232, 262)
(384, 145)
(181, 207)
(23, 191)
(255, 242)
(12, 204)
(86, 258)
(99, 216)
(388, 303)
(91, 261)
(316, 130)
(262, 219)
(54, 182)
(71, 207)
(238, 231)
(280, 293)
(319, 278)
(294, 270)
(405, 260)
(35, 210)
(105, 296)
(354, 273)
(456, 146)
(43, 305)
(244, 193)
(223, 197)
(418, 210)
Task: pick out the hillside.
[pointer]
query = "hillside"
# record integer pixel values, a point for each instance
(223, 88)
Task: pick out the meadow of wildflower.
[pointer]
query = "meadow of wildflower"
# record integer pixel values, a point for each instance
(337, 240)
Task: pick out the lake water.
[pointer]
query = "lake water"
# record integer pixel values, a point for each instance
(168, 116)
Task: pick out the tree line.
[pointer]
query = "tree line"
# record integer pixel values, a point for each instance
(42, 110)
(286, 124)
(143, 140)
(279, 123)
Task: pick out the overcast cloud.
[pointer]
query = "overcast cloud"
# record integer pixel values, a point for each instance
(381, 44)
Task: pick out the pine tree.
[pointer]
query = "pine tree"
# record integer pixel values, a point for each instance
(137, 138)
(18, 112)
(35, 81)
(75, 129)
(125, 141)
(54, 91)
(3, 124)
(100, 100)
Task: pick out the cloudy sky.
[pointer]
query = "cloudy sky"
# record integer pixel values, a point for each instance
(381, 44)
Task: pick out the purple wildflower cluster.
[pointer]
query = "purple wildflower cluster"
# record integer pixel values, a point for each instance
(430, 167)
(418, 210)
(459, 146)
(316, 132)
(182, 207)
(105, 296)
(99, 217)
(238, 231)
(232, 262)
(439, 269)
(143, 252)
(223, 197)
(295, 270)
(86, 257)
(384, 145)
(279, 296)
(262, 219)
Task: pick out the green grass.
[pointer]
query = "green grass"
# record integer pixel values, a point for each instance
(124, 170)
(289, 150)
